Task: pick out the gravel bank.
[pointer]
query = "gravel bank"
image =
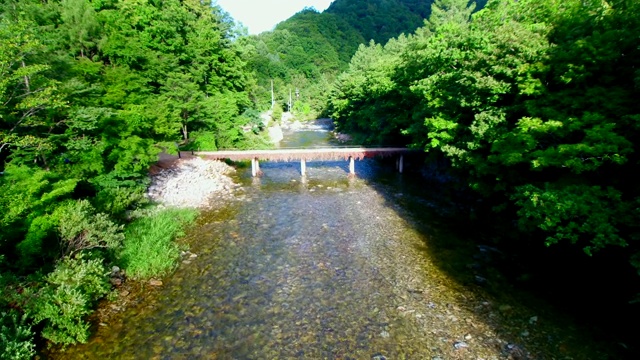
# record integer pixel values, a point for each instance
(192, 183)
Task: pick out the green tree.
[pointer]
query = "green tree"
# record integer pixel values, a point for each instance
(26, 93)
(531, 102)
(80, 26)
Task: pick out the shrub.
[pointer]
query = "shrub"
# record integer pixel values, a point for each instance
(117, 194)
(149, 249)
(276, 115)
(202, 141)
(73, 226)
(81, 229)
(256, 141)
(116, 201)
(16, 337)
(67, 297)
(28, 197)
(39, 244)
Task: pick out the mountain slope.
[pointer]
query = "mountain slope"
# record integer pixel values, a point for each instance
(380, 20)
(307, 50)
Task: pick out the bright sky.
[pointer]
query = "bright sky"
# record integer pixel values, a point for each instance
(263, 15)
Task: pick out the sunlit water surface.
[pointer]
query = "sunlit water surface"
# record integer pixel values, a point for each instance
(325, 267)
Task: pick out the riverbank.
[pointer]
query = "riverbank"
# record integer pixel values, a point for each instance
(332, 267)
(180, 189)
(190, 182)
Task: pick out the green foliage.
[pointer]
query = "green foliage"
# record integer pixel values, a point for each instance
(80, 26)
(252, 118)
(26, 92)
(16, 337)
(259, 141)
(202, 141)
(82, 229)
(31, 198)
(38, 242)
(533, 102)
(382, 20)
(118, 194)
(90, 93)
(572, 213)
(149, 249)
(67, 298)
(117, 200)
(307, 51)
(276, 113)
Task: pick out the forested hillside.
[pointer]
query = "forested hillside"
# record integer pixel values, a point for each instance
(90, 93)
(308, 50)
(534, 106)
(381, 20)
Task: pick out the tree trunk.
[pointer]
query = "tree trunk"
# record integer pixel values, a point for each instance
(185, 133)
(26, 79)
(185, 116)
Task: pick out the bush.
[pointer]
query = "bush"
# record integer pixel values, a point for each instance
(116, 194)
(81, 229)
(202, 141)
(68, 296)
(259, 141)
(28, 198)
(252, 118)
(276, 115)
(73, 226)
(149, 249)
(40, 244)
(303, 111)
(16, 337)
(116, 201)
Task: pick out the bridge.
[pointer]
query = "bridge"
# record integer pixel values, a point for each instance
(307, 154)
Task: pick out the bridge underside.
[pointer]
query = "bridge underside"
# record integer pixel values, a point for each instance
(304, 155)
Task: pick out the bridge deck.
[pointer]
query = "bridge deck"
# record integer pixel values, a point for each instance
(303, 154)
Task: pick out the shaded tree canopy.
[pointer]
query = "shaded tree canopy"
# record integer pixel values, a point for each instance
(534, 103)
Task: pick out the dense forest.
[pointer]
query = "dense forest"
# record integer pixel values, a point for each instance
(308, 50)
(91, 92)
(535, 102)
(532, 106)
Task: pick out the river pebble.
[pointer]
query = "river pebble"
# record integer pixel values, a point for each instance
(192, 183)
(297, 271)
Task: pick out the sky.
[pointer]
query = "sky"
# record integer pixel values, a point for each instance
(263, 15)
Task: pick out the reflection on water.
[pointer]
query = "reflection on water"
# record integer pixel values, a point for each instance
(325, 267)
(313, 134)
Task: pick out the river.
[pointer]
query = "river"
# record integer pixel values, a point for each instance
(331, 267)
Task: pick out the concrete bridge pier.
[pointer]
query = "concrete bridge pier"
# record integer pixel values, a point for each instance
(306, 154)
(400, 164)
(255, 167)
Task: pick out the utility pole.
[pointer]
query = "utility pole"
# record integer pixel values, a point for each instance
(273, 101)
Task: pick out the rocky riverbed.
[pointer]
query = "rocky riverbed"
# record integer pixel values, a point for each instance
(327, 267)
(192, 182)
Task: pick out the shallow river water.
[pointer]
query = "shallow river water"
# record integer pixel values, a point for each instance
(330, 267)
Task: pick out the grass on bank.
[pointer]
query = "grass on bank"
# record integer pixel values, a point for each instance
(149, 249)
